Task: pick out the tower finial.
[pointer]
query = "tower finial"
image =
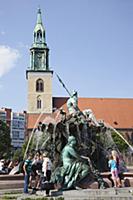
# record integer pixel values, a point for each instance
(39, 17)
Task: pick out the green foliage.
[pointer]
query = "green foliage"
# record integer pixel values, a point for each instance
(13, 192)
(25, 145)
(45, 198)
(5, 140)
(9, 197)
(60, 198)
(24, 148)
(122, 146)
(18, 155)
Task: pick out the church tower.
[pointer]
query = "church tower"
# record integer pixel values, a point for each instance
(39, 75)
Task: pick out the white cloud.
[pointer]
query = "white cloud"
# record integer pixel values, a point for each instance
(8, 58)
(2, 33)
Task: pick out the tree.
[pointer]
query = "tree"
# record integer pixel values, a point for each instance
(121, 144)
(17, 155)
(5, 140)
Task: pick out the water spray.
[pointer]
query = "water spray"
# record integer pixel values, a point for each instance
(33, 131)
(130, 146)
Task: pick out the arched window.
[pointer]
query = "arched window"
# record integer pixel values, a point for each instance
(39, 85)
(39, 36)
(39, 102)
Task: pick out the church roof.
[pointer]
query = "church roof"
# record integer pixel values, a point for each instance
(117, 112)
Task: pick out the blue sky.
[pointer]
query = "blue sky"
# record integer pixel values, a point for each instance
(90, 41)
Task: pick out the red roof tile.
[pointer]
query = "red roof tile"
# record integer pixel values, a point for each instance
(34, 119)
(117, 112)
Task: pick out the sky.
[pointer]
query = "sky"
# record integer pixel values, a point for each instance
(90, 42)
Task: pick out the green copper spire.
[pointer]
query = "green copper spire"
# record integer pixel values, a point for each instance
(39, 17)
(39, 50)
(39, 31)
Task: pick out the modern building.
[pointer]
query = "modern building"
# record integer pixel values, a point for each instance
(116, 112)
(18, 129)
(3, 115)
(17, 124)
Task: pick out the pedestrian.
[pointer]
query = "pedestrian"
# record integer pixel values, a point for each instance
(37, 171)
(116, 157)
(33, 171)
(114, 171)
(27, 171)
(2, 166)
(46, 169)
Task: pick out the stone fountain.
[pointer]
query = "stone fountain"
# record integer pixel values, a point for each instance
(93, 144)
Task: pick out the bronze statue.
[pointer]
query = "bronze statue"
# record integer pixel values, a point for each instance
(74, 169)
(72, 103)
(74, 166)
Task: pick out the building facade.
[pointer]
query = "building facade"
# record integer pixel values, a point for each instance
(17, 125)
(18, 129)
(39, 75)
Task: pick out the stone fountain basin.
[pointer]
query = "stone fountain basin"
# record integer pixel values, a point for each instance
(16, 181)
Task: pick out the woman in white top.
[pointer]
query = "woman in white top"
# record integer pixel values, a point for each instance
(46, 169)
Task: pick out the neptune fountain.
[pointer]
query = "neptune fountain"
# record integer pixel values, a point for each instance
(77, 144)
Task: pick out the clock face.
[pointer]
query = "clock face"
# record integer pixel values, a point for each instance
(38, 60)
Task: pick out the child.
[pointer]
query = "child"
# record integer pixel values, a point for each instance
(114, 171)
(117, 159)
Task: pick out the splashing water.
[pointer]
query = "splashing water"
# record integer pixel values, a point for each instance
(33, 131)
(34, 128)
(130, 146)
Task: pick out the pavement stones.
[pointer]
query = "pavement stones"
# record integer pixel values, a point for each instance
(99, 194)
(85, 194)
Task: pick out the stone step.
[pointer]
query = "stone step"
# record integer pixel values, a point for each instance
(109, 191)
(100, 194)
(101, 198)
(11, 184)
(11, 177)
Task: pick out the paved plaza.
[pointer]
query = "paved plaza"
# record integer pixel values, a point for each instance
(86, 194)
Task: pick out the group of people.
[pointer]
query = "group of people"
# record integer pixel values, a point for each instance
(7, 165)
(37, 168)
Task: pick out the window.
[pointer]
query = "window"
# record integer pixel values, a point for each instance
(39, 36)
(15, 134)
(39, 102)
(39, 85)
